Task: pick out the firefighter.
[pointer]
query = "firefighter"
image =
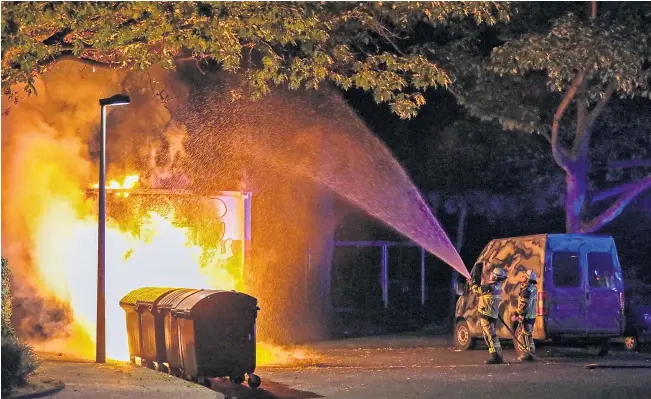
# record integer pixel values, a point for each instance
(525, 314)
(488, 308)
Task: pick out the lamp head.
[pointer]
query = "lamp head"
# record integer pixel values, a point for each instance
(118, 99)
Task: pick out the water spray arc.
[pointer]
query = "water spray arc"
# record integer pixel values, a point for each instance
(100, 343)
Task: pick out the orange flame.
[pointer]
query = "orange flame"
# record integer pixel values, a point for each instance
(162, 255)
(128, 183)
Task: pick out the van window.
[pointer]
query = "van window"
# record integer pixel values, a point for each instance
(566, 270)
(601, 270)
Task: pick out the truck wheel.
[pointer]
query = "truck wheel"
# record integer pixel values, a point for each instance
(631, 343)
(254, 381)
(462, 338)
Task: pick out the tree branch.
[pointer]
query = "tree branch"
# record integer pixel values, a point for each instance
(632, 163)
(546, 136)
(617, 207)
(582, 135)
(592, 116)
(68, 55)
(617, 190)
(559, 153)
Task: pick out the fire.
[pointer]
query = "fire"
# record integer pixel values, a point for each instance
(277, 355)
(161, 255)
(128, 183)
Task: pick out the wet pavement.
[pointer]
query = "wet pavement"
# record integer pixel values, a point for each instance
(385, 367)
(414, 367)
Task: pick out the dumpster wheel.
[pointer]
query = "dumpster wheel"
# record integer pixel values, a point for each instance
(236, 379)
(205, 381)
(254, 381)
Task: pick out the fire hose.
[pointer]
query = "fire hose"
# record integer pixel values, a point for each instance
(590, 366)
(516, 338)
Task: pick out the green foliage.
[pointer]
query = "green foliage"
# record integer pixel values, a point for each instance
(612, 48)
(541, 52)
(18, 359)
(7, 329)
(18, 363)
(365, 45)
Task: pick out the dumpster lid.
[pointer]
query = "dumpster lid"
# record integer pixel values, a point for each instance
(172, 299)
(145, 295)
(188, 302)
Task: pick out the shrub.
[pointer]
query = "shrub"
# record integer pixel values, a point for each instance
(18, 359)
(18, 362)
(7, 330)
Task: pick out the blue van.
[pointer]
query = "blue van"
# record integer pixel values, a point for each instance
(580, 289)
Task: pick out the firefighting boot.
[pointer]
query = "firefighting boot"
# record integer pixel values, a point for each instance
(526, 357)
(495, 359)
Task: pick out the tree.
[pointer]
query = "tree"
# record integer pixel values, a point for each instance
(582, 63)
(483, 171)
(300, 44)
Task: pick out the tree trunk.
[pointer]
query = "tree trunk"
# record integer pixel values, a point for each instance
(576, 192)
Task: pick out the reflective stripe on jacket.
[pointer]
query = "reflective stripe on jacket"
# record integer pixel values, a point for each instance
(489, 299)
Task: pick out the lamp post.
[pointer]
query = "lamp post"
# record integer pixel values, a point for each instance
(100, 343)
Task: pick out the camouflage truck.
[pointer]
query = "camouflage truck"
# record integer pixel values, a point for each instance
(580, 289)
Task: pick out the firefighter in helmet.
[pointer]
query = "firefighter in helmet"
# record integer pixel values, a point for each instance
(525, 314)
(488, 308)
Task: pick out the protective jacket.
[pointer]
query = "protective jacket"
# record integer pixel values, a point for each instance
(489, 299)
(527, 301)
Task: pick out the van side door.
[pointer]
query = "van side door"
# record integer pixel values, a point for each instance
(564, 282)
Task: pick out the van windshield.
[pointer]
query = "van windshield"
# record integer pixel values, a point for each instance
(601, 270)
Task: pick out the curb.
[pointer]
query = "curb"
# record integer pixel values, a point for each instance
(40, 394)
(617, 366)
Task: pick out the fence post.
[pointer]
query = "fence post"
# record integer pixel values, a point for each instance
(422, 277)
(385, 276)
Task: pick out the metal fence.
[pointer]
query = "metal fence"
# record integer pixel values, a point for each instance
(384, 264)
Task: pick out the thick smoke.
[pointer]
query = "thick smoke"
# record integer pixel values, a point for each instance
(49, 144)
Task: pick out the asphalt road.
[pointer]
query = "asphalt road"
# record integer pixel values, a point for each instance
(429, 368)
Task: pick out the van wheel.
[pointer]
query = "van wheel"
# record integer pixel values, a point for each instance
(631, 343)
(462, 338)
(604, 348)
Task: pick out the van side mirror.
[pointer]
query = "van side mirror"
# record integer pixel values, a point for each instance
(459, 287)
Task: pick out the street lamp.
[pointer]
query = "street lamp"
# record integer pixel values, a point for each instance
(100, 345)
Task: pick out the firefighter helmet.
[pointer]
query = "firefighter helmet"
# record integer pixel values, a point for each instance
(531, 275)
(498, 274)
